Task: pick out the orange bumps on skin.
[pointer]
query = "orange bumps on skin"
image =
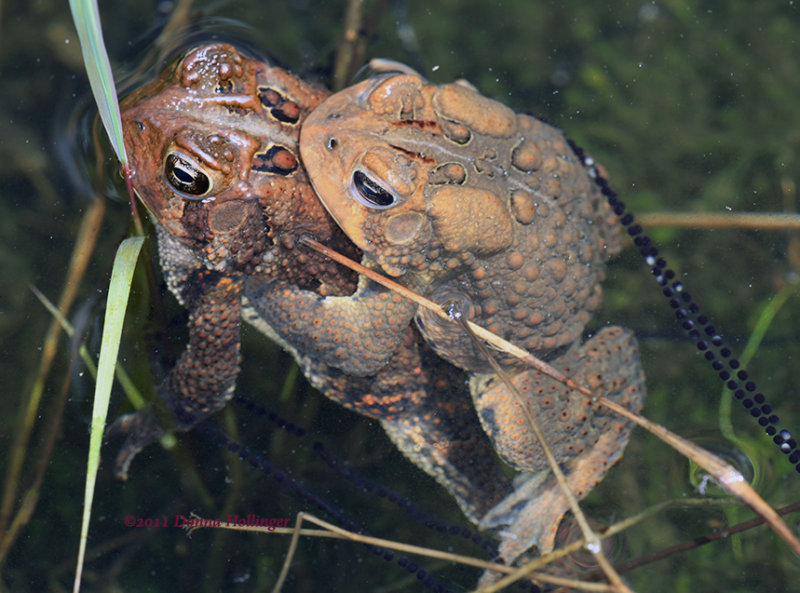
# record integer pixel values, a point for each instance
(453, 173)
(522, 206)
(397, 96)
(526, 156)
(515, 260)
(557, 269)
(481, 114)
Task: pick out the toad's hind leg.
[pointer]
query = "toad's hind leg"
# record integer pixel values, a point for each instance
(424, 406)
(442, 435)
(585, 437)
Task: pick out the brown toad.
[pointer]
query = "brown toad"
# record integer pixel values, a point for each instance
(465, 201)
(213, 146)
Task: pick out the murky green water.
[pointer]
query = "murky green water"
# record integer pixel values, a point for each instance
(691, 108)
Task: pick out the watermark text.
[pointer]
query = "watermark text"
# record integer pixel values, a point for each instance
(271, 523)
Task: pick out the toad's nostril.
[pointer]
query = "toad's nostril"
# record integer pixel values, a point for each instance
(332, 143)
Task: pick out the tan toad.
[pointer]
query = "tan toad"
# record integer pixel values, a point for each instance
(465, 201)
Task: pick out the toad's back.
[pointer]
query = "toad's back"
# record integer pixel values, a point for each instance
(465, 200)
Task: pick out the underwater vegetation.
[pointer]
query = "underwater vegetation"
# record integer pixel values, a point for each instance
(690, 107)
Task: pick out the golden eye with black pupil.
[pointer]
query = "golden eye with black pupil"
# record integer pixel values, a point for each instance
(370, 193)
(185, 177)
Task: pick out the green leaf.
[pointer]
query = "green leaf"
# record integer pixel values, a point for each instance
(119, 289)
(90, 33)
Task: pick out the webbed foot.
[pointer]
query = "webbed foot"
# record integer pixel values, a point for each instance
(140, 429)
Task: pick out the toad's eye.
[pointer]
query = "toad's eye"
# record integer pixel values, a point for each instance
(370, 193)
(185, 177)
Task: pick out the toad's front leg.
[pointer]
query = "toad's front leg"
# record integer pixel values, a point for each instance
(358, 335)
(204, 378)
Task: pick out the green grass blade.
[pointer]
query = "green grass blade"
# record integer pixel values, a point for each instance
(90, 33)
(128, 386)
(768, 313)
(119, 289)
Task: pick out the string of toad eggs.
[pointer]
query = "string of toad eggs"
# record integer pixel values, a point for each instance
(696, 324)
(422, 575)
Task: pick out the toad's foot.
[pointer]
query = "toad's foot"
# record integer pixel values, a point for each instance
(586, 438)
(141, 429)
(529, 517)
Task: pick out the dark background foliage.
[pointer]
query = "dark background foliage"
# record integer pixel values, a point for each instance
(691, 106)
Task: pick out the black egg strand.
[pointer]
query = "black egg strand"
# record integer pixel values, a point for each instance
(361, 483)
(261, 464)
(277, 474)
(405, 504)
(696, 324)
(412, 510)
